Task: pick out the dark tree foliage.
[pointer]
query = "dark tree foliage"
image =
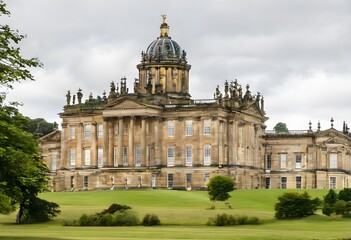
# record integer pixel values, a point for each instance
(219, 188)
(331, 197)
(281, 128)
(5, 204)
(151, 220)
(39, 210)
(22, 170)
(295, 205)
(114, 208)
(339, 204)
(345, 195)
(40, 127)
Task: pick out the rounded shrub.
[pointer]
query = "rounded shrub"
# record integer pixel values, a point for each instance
(124, 218)
(151, 220)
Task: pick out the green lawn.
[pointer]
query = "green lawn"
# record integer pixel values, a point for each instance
(183, 215)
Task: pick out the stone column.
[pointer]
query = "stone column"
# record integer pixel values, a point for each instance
(180, 86)
(220, 143)
(157, 156)
(143, 141)
(186, 76)
(64, 162)
(120, 141)
(111, 144)
(80, 135)
(105, 146)
(131, 142)
(216, 140)
(169, 80)
(235, 142)
(93, 145)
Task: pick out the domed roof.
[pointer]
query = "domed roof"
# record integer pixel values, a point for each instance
(164, 48)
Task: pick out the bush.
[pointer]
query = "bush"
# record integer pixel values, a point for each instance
(345, 195)
(295, 205)
(230, 220)
(151, 220)
(327, 209)
(115, 215)
(124, 218)
(331, 197)
(114, 208)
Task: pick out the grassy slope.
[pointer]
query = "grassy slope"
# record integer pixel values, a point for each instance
(183, 215)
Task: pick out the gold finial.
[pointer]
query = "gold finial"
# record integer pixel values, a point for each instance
(164, 16)
(164, 26)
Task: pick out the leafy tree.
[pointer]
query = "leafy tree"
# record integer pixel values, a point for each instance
(345, 194)
(340, 204)
(331, 197)
(219, 188)
(295, 205)
(23, 171)
(281, 128)
(329, 202)
(40, 127)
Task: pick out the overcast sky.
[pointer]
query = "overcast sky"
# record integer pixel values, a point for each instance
(296, 53)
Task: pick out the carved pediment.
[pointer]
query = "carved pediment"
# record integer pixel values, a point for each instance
(130, 107)
(127, 104)
(54, 136)
(253, 109)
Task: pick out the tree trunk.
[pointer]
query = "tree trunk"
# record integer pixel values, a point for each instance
(19, 214)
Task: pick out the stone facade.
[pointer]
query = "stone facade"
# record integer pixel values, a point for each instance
(158, 137)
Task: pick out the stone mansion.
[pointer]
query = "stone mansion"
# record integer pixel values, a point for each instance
(159, 137)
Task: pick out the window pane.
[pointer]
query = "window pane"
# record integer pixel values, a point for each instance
(72, 132)
(86, 182)
(206, 178)
(282, 160)
(53, 162)
(207, 127)
(298, 182)
(189, 179)
(72, 157)
(115, 157)
(87, 157)
(207, 155)
(268, 161)
(100, 131)
(100, 154)
(298, 160)
(170, 128)
(137, 156)
(332, 182)
(188, 128)
(170, 156)
(283, 183)
(333, 160)
(87, 131)
(188, 156)
(268, 183)
(170, 180)
(125, 156)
